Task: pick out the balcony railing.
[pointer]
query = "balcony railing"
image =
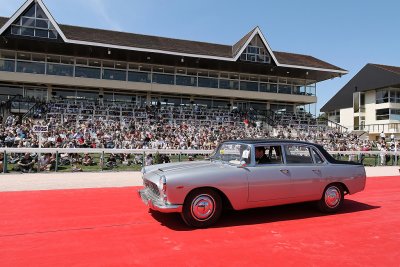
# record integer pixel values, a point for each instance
(150, 76)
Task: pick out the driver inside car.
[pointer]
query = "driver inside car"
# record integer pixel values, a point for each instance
(261, 158)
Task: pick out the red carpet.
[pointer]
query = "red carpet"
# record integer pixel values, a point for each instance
(111, 227)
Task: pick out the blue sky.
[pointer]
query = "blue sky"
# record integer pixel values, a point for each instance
(346, 33)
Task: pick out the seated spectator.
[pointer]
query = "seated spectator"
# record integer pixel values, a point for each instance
(138, 159)
(25, 164)
(87, 160)
(165, 158)
(47, 162)
(149, 160)
(126, 159)
(76, 158)
(111, 161)
(64, 159)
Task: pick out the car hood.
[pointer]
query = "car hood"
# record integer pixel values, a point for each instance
(179, 166)
(186, 166)
(153, 172)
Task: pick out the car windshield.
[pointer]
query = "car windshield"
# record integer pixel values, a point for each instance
(233, 153)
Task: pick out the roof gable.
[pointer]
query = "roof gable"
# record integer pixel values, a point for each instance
(33, 19)
(251, 37)
(241, 43)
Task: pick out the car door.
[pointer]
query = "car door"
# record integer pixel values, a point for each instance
(306, 169)
(269, 181)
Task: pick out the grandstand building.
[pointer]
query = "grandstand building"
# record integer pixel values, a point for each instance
(369, 102)
(42, 59)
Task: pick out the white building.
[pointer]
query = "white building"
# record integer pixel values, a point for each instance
(369, 102)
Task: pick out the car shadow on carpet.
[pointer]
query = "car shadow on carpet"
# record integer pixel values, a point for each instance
(263, 215)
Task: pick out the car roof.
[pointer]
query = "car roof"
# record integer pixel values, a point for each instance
(266, 141)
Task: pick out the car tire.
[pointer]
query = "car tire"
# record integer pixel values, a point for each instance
(202, 208)
(332, 198)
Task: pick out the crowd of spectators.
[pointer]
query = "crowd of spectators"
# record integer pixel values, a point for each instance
(154, 132)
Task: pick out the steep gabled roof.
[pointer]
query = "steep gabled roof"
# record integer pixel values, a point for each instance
(255, 32)
(25, 7)
(370, 77)
(241, 43)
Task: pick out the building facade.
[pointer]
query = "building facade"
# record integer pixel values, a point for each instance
(42, 59)
(369, 102)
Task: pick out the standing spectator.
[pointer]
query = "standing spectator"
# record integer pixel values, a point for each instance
(393, 150)
(382, 136)
(392, 137)
(1, 162)
(383, 153)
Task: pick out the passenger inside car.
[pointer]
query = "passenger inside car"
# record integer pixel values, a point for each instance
(261, 157)
(275, 154)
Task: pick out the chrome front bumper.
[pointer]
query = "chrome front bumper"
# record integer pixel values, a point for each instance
(156, 204)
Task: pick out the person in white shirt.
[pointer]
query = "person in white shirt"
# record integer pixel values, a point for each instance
(383, 136)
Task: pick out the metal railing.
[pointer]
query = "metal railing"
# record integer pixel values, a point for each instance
(377, 128)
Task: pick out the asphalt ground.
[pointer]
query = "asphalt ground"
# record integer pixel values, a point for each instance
(111, 227)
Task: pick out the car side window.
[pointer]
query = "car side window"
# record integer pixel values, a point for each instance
(317, 158)
(297, 154)
(268, 155)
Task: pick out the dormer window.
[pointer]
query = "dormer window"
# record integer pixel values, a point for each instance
(256, 51)
(255, 54)
(34, 23)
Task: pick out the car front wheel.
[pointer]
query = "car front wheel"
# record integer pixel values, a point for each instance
(332, 198)
(202, 208)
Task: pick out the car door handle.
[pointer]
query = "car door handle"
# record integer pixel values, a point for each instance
(284, 171)
(317, 171)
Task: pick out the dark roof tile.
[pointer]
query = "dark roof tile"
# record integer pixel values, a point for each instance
(388, 68)
(179, 46)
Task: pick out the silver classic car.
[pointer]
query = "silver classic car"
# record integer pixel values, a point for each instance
(243, 174)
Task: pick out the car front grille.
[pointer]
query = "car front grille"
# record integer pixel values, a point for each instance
(152, 187)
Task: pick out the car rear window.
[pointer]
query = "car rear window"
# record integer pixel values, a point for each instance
(296, 154)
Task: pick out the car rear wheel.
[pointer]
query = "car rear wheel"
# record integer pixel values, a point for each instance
(332, 198)
(202, 208)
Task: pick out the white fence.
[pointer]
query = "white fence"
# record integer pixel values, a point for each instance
(104, 151)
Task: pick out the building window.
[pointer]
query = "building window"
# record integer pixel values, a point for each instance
(255, 54)
(34, 23)
(394, 114)
(382, 96)
(382, 114)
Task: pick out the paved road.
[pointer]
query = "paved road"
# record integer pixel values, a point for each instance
(50, 181)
